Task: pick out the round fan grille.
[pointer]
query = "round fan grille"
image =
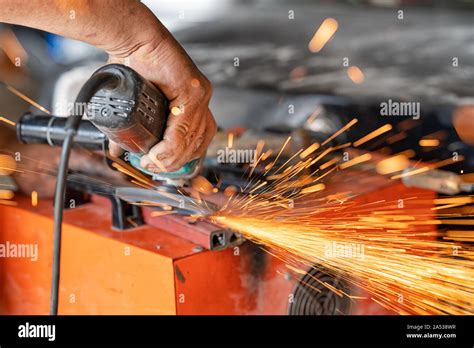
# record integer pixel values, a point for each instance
(313, 298)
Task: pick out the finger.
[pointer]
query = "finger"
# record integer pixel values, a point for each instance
(211, 129)
(157, 161)
(198, 139)
(154, 165)
(169, 152)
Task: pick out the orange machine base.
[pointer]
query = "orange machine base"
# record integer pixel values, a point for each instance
(139, 271)
(144, 270)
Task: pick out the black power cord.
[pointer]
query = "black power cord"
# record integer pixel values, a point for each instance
(87, 91)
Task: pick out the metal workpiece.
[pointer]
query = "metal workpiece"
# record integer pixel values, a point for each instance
(180, 203)
(223, 239)
(440, 181)
(200, 232)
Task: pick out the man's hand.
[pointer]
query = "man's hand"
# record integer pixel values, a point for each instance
(129, 32)
(191, 125)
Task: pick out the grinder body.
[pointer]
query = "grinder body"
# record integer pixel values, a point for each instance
(127, 109)
(130, 111)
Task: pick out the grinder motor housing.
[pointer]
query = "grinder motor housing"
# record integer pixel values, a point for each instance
(130, 110)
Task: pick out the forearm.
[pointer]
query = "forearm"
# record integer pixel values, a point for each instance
(117, 26)
(129, 32)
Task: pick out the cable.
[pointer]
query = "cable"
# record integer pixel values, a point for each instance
(58, 218)
(85, 94)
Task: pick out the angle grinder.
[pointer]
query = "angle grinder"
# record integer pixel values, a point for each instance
(125, 108)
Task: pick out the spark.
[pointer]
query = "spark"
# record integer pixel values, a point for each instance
(266, 155)
(360, 159)
(7, 165)
(270, 166)
(7, 121)
(428, 167)
(130, 171)
(340, 131)
(459, 235)
(392, 164)
(429, 142)
(309, 150)
(176, 111)
(314, 188)
(6, 194)
(133, 223)
(455, 200)
(373, 135)
(325, 32)
(141, 184)
(314, 115)
(396, 258)
(34, 198)
(395, 251)
(329, 163)
(26, 98)
(355, 74)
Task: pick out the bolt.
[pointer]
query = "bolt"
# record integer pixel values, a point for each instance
(198, 248)
(105, 112)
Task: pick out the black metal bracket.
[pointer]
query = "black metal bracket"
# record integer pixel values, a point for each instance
(124, 215)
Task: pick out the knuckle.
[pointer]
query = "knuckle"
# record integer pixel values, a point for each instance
(205, 88)
(182, 128)
(197, 144)
(190, 138)
(161, 156)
